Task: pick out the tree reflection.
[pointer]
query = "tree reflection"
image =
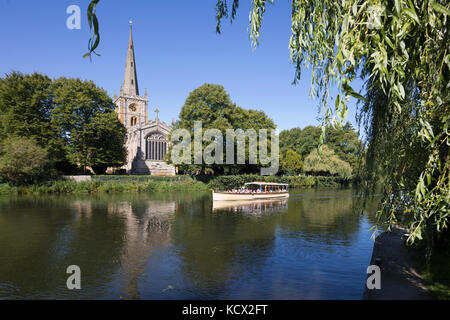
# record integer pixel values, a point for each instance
(167, 245)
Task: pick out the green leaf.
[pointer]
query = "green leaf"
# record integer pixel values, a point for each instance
(348, 90)
(389, 42)
(412, 14)
(440, 8)
(397, 6)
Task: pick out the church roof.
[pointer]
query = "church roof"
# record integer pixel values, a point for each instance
(130, 81)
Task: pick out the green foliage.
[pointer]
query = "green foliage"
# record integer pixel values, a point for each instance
(343, 141)
(141, 178)
(25, 106)
(71, 119)
(212, 105)
(94, 41)
(291, 162)
(84, 115)
(236, 181)
(21, 160)
(437, 277)
(7, 189)
(324, 161)
(401, 49)
(111, 184)
(25, 110)
(135, 184)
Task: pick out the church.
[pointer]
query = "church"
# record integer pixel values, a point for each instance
(147, 140)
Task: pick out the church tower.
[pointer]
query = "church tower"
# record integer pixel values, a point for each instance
(130, 106)
(147, 141)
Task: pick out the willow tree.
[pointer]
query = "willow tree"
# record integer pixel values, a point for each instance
(401, 49)
(326, 162)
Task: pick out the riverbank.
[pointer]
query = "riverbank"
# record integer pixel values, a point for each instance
(304, 250)
(103, 186)
(133, 184)
(401, 278)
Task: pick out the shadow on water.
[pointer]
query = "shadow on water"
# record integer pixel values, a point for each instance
(182, 246)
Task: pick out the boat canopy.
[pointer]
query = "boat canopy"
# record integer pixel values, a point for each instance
(267, 184)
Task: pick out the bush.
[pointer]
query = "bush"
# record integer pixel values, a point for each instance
(5, 188)
(103, 184)
(134, 184)
(21, 160)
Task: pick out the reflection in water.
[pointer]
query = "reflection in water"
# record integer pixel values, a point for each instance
(181, 246)
(251, 206)
(147, 229)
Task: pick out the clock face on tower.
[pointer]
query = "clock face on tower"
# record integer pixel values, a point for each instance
(132, 108)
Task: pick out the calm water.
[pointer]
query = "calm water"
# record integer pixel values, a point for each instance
(177, 246)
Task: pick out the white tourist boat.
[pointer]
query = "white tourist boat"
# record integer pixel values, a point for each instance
(254, 191)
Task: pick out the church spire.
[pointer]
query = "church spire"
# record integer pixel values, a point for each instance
(130, 83)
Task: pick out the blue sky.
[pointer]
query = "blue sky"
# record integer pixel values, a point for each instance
(177, 50)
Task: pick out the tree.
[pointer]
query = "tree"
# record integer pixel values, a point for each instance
(401, 49)
(324, 161)
(212, 105)
(26, 110)
(103, 144)
(21, 160)
(343, 141)
(291, 162)
(72, 120)
(291, 140)
(85, 119)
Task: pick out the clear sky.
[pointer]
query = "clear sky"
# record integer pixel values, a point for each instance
(176, 48)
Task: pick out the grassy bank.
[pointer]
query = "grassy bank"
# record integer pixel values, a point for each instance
(123, 184)
(106, 186)
(437, 276)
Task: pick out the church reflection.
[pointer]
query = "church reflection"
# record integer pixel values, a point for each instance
(147, 230)
(175, 245)
(145, 227)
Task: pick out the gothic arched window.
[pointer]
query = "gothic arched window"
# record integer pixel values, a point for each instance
(133, 121)
(155, 147)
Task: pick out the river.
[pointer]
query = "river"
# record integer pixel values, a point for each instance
(178, 246)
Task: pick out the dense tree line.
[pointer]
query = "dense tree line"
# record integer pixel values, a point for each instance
(49, 127)
(343, 141)
(342, 146)
(400, 49)
(212, 105)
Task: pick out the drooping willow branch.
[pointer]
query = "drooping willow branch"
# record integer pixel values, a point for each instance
(94, 41)
(400, 48)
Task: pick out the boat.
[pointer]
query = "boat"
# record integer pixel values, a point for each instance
(254, 191)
